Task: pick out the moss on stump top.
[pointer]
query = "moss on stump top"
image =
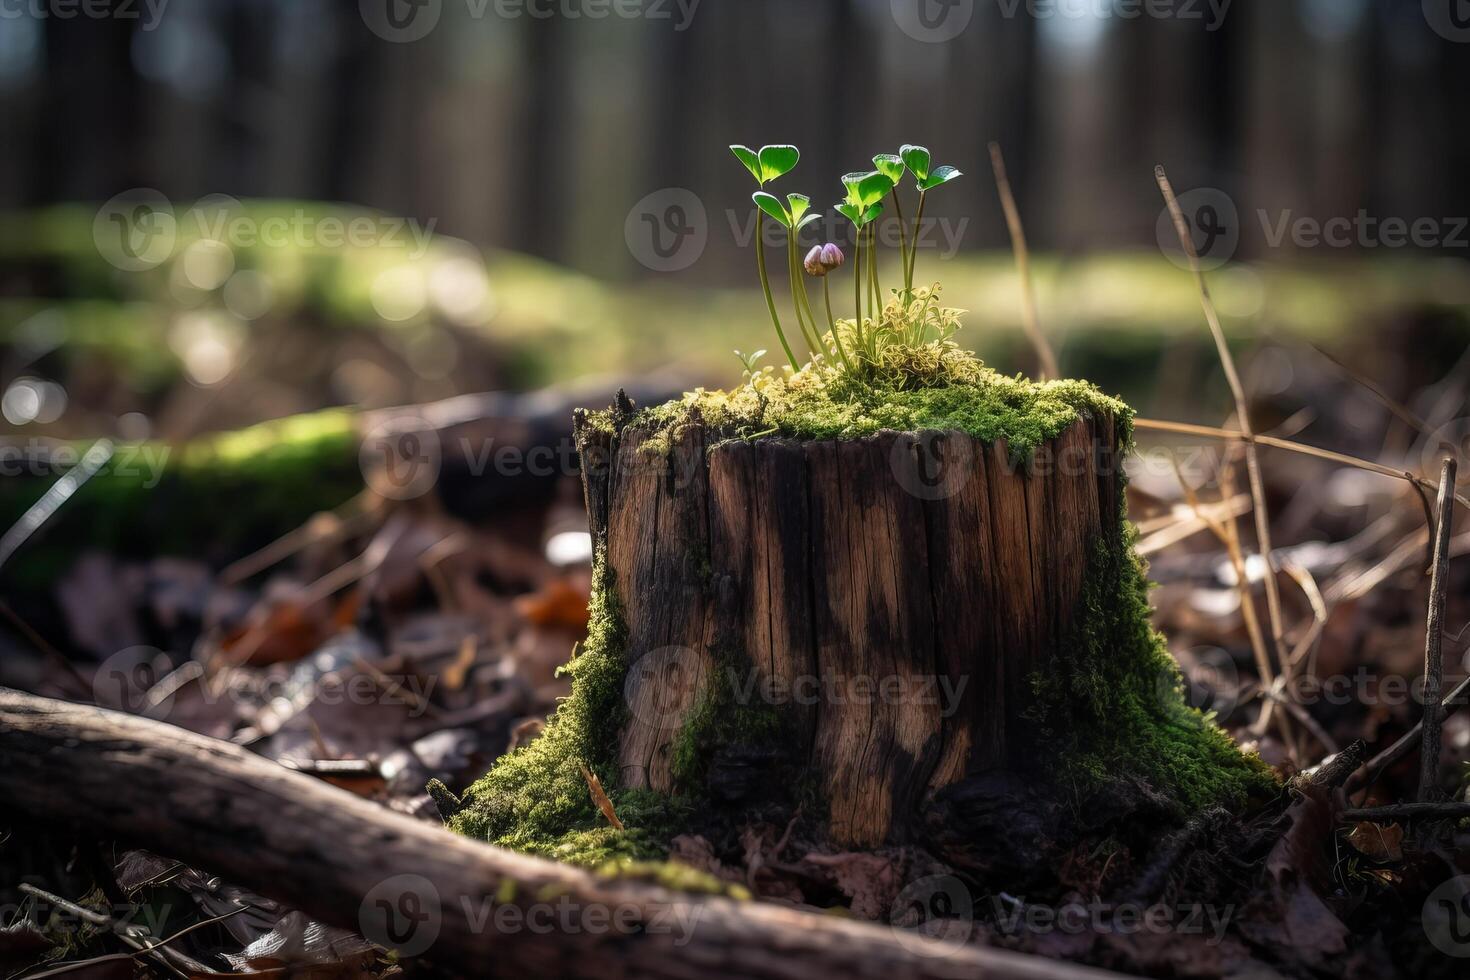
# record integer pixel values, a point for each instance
(929, 387)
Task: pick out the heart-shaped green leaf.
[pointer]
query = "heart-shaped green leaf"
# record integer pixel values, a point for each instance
(798, 205)
(872, 213)
(873, 187)
(852, 212)
(917, 159)
(889, 165)
(748, 157)
(772, 205)
(808, 220)
(777, 160)
(941, 175)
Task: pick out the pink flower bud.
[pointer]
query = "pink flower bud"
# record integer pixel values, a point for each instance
(822, 259)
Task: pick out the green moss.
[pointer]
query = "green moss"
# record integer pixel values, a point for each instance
(1112, 702)
(953, 392)
(536, 799)
(719, 718)
(152, 498)
(674, 876)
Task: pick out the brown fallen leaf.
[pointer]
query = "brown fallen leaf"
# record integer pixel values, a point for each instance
(1381, 842)
(600, 798)
(558, 603)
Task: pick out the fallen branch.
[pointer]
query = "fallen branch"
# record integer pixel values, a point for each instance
(1369, 774)
(1408, 811)
(350, 863)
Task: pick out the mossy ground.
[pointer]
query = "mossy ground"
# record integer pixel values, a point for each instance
(154, 498)
(1114, 683)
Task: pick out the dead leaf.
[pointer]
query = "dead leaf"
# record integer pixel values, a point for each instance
(600, 798)
(303, 947)
(1381, 842)
(558, 603)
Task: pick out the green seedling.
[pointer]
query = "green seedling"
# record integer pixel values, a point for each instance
(918, 161)
(748, 361)
(793, 216)
(862, 206)
(765, 166)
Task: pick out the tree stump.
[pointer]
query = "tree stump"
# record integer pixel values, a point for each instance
(891, 595)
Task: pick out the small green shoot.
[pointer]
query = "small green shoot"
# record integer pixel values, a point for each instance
(918, 160)
(766, 165)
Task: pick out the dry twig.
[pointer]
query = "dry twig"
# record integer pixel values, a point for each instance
(1433, 634)
(1045, 356)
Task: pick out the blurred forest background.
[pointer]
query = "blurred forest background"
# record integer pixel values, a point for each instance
(522, 138)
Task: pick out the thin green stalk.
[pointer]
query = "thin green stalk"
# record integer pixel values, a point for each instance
(806, 301)
(857, 283)
(874, 296)
(793, 272)
(908, 281)
(903, 246)
(836, 337)
(760, 261)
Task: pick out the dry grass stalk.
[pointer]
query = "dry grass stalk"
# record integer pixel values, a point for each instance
(1433, 635)
(1227, 362)
(1225, 532)
(1233, 435)
(1045, 356)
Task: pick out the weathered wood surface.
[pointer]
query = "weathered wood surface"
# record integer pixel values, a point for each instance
(928, 562)
(351, 863)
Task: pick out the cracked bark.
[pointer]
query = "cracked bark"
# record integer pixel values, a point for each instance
(866, 571)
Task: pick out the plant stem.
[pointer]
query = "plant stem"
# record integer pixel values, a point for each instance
(836, 337)
(908, 281)
(760, 261)
(798, 293)
(857, 283)
(805, 298)
(903, 240)
(875, 299)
